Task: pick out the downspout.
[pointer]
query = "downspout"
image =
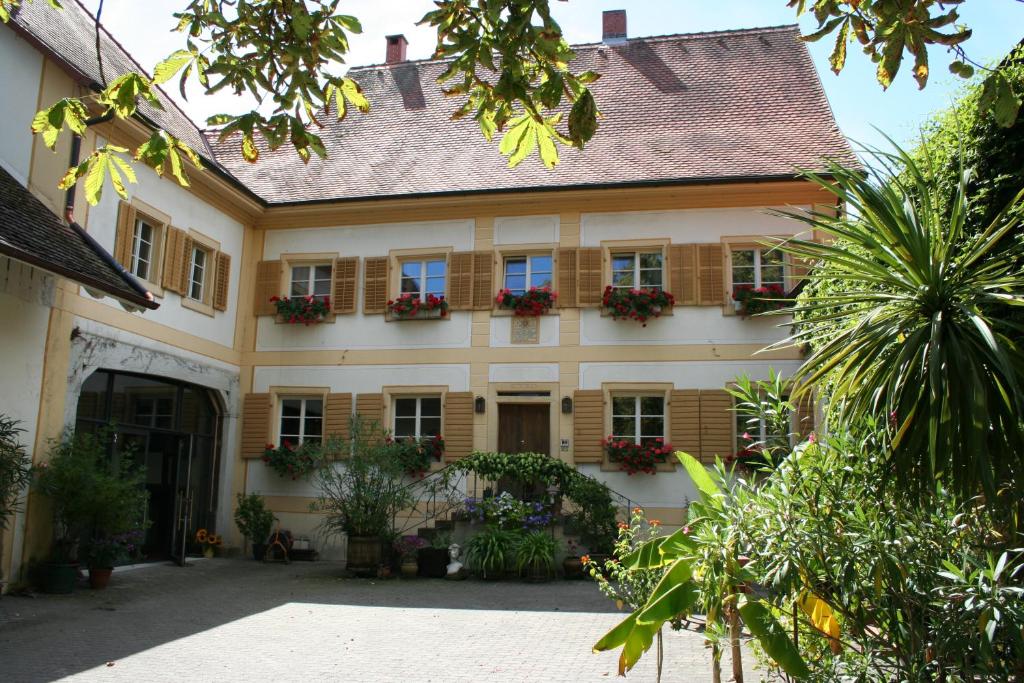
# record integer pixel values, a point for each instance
(69, 214)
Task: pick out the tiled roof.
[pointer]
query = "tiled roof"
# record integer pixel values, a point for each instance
(31, 233)
(685, 108)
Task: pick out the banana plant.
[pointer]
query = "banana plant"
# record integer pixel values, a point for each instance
(707, 576)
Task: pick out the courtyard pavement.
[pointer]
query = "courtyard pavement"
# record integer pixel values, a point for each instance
(235, 620)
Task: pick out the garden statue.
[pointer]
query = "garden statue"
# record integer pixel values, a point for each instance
(456, 570)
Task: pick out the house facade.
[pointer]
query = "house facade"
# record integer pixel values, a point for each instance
(701, 135)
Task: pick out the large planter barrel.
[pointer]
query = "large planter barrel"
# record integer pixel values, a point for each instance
(364, 555)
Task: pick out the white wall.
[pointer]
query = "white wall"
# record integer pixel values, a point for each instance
(19, 83)
(358, 331)
(187, 212)
(526, 230)
(686, 324)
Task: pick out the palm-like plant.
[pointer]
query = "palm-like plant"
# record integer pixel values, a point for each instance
(912, 330)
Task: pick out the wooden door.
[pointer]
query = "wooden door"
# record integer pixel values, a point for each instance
(524, 428)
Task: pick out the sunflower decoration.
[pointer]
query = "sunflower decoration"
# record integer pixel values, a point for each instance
(208, 541)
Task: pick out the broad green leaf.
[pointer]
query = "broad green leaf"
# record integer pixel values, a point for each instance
(583, 119)
(773, 638)
(699, 474)
(171, 65)
(618, 635)
(354, 94)
(676, 601)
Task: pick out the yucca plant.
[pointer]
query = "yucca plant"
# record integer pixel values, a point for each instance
(912, 328)
(491, 551)
(535, 555)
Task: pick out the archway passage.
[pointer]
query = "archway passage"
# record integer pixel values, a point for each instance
(171, 429)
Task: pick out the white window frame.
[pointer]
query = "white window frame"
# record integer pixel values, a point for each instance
(418, 432)
(638, 416)
(528, 258)
(614, 252)
(154, 237)
(312, 279)
(204, 277)
(301, 436)
(758, 257)
(422, 277)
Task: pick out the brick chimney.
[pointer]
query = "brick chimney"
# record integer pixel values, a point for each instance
(614, 25)
(396, 49)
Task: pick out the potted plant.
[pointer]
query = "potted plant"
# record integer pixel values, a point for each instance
(94, 500)
(361, 496)
(416, 455)
(572, 565)
(411, 307)
(302, 310)
(255, 521)
(102, 554)
(433, 560)
(490, 552)
(535, 301)
(15, 470)
(208, 542)
(752, 300)
(636, 304)
(407, 548)
(291, 461)
(535, 556)
(637, 457)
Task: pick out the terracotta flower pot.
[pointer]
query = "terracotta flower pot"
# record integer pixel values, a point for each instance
(99, 577)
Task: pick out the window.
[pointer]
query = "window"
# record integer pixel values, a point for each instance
(524, 272)
(199, 267)
(311, 280)
(417, 417)
(640, 419)
(423, 278)
(637, 269)
(757, 268)
(144, 249)
(154, 411)
(302, 420)
(752, 433)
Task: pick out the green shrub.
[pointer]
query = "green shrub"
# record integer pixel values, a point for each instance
(253, 518)
(490, 552)
(15, 468)
(535, 553)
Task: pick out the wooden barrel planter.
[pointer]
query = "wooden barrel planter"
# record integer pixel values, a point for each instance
(364, 555)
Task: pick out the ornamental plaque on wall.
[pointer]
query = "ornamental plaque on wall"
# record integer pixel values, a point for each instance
(525, 329)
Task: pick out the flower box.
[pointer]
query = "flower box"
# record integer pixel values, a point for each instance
(752, 300)
(636, 304)
(293, 461)
(416, 455)
(302, 310)
(535, 301)
(635, 457)
(411, 307)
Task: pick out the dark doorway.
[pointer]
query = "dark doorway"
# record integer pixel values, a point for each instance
(170, 429)
(524, 428)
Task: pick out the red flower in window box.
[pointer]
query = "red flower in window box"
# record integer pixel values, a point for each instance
(293, 461)
(302, 310)
(410, 306)
(637, 457)
(416, 455)
(533, 302)
(636, 304)
(753, 300)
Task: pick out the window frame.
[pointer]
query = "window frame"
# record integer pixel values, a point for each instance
(751, 243)
(418, 398)
(212, 248)
(637, 269)
(304, 399)
(529, 272)
(424, 276)
(662, 390)
(396, 257)
(311, 280)
(312, 259)
(159, 222)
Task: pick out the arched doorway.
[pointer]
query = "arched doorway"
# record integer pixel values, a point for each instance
(171, 428)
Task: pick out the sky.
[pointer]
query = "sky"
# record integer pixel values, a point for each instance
(858, 101)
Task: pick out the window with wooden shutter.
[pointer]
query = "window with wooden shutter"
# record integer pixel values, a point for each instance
(222, 281)
(370, 409)
(566, 285)
(683, 279)
(268, 284)
(804, 415)
(710, 277)
(458, 425)
(685, 421)
(483, 280)
(716, 424)
(590, 276)
(178, 247)
(255, 424)
(345, 276)
(375, 284)
(460, 280)
(588, 426)
(124, 234)
(337, 419)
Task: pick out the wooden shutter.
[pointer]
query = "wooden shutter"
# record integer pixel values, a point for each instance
(375, 284)
(566, 278)
(460, 280)
(683, 280)
(590, 276)
(176, 261)
(685, 420)
(588, 425)
(345, 275)
(255, 424)
(716, 424)
(124, 234)
(337, 416)
(483, 280)
(221, 282)
(798, 270)
(805, 415)
(370, 409)
(268, 284)
(710, 279)
(458, 425)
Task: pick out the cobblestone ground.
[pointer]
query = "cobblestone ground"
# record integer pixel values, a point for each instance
(228, 620)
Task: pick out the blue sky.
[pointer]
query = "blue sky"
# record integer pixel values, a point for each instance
(857, 100)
